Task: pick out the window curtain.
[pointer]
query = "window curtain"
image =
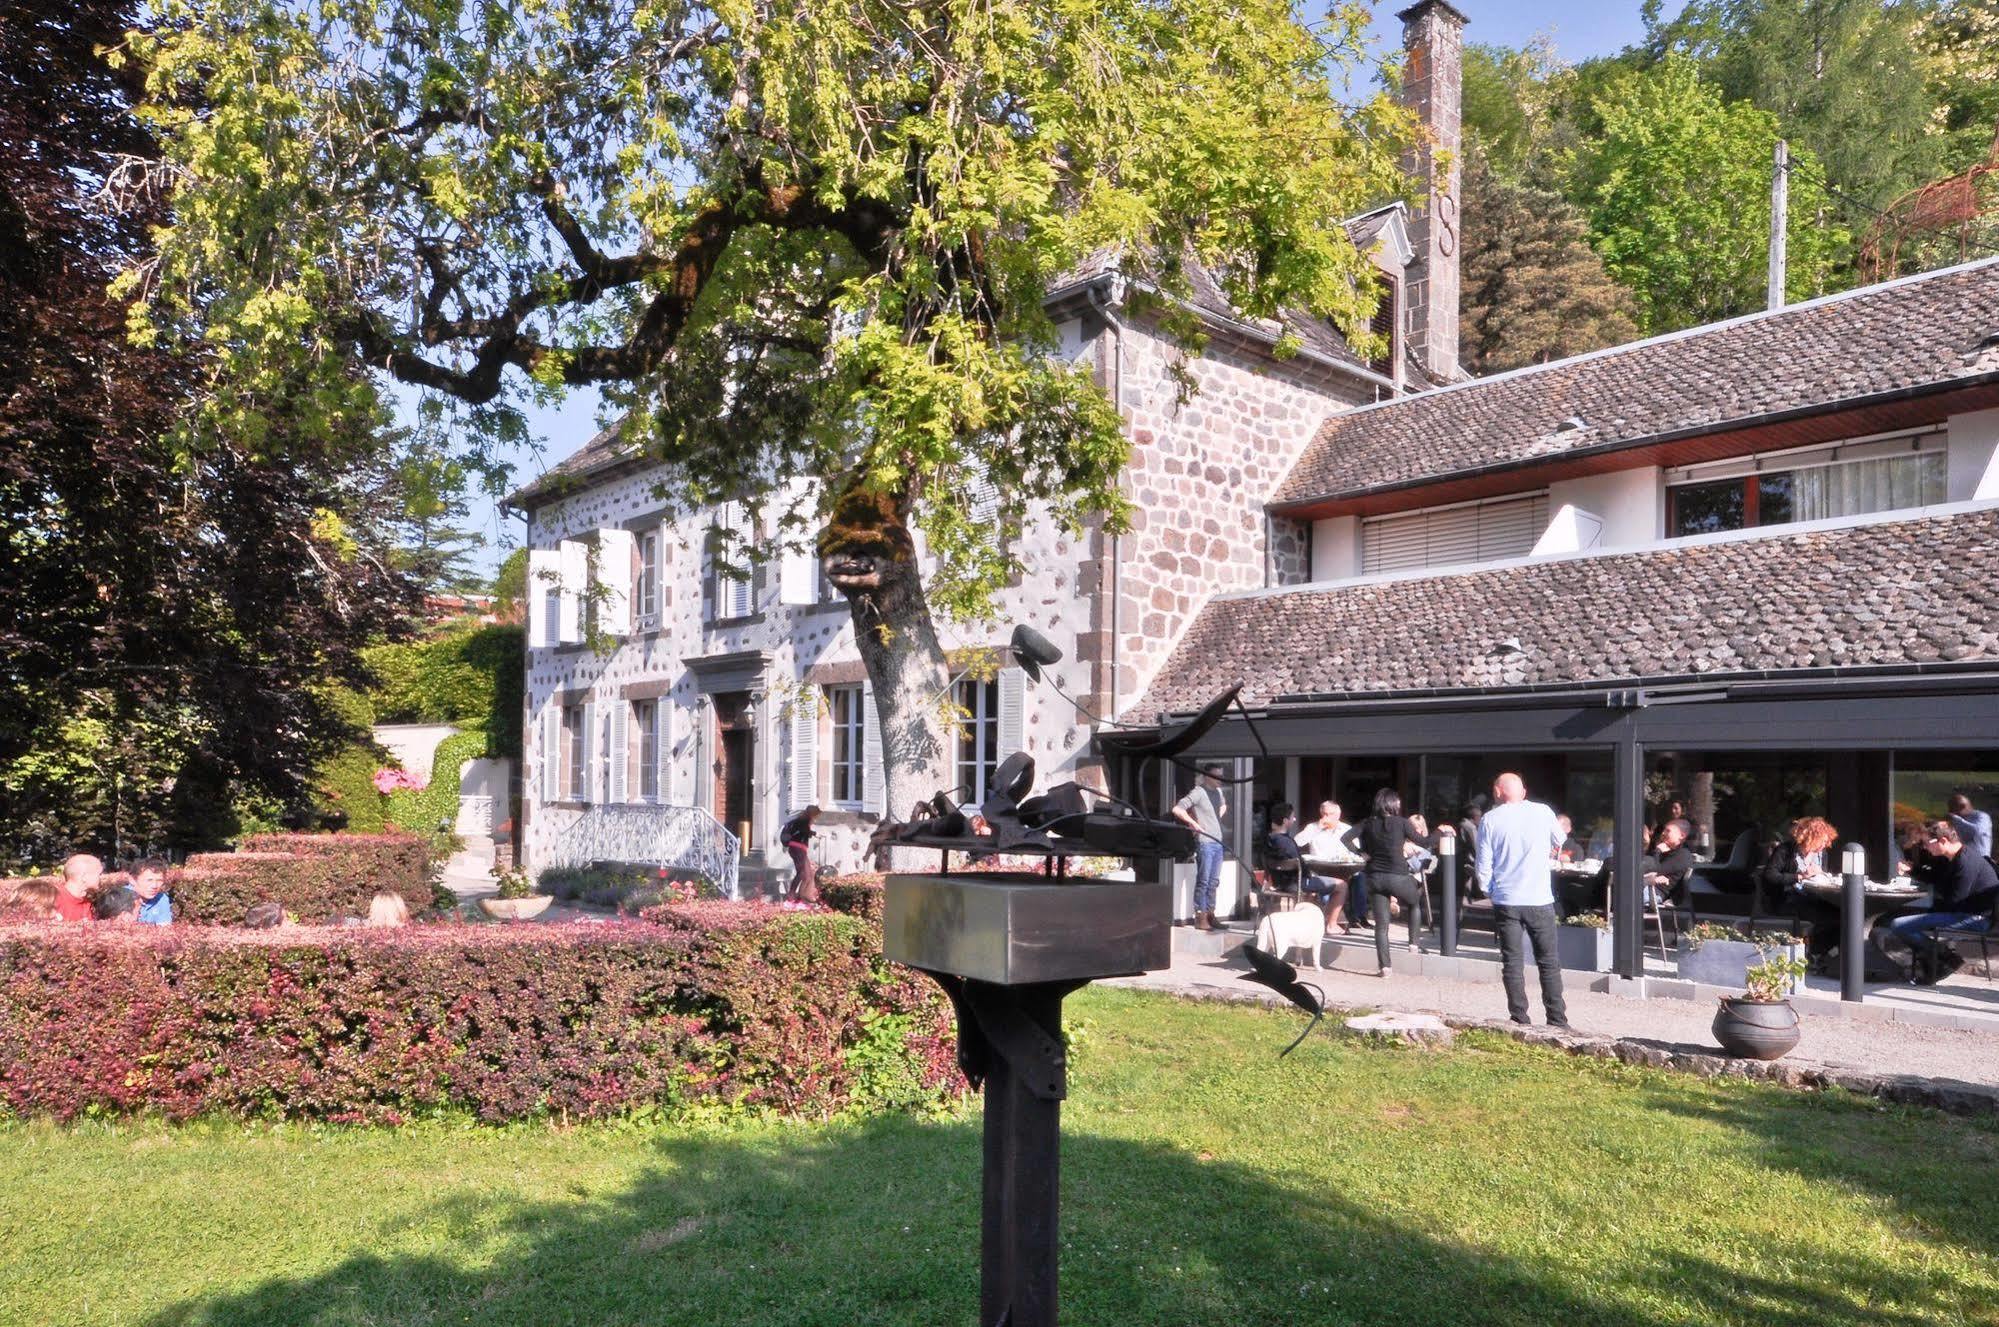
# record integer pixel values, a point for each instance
(1854, 488)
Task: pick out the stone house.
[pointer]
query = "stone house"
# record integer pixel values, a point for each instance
(727, 702)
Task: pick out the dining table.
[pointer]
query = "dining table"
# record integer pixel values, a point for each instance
(1880, 897)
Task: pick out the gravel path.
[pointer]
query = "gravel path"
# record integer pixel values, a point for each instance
(1830, 1041)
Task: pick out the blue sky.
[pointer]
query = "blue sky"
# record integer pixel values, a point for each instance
(1579, 29)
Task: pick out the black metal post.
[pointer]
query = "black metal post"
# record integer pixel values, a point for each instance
(1447, 925)
(1010, 1043)
(1627, 896)
(1853, 932)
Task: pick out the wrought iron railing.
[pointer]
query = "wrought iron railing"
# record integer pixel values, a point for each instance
(682, 837)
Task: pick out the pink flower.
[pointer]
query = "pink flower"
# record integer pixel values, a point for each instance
(388, 780)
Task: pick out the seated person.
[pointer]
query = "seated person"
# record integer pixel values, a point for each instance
(1670, 864)
(149, 882)
(266, 916)
(1571, 849)
(1801, 856)
(1965, 890)
(1330, 891)
(1281, 857)
(81, 876)
(119, 905)
(387, 909)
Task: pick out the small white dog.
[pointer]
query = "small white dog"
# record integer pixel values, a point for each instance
(1302, 927)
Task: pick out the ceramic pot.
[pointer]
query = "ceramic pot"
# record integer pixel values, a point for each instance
(515, 909)
(1756, 1029)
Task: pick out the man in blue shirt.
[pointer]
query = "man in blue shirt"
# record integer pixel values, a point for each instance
(149, 882)
(1974, 827)
(1517, 840)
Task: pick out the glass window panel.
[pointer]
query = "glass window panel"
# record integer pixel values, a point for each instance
(1774, 499)
(1708, 508)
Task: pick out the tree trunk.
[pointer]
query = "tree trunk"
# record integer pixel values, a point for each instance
(905, 661)
(868, 555)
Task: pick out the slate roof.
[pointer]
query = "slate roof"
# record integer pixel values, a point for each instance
(1918, 332)
(600, 453)
(1877, 593)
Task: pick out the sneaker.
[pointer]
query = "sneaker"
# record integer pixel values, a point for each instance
(1522, 1020)
(1561, 1023)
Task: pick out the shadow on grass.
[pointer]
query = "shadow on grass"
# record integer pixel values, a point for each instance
(878, 1225)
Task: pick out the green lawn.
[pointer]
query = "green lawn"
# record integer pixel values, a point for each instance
(1205, 1183)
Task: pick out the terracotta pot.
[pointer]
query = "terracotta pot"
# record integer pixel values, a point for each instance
(515, 909)
(1756, 1029)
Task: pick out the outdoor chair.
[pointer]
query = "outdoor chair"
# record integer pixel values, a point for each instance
(1275, 892)
(1956, 935)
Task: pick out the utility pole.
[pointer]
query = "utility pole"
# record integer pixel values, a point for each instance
(1780, 199)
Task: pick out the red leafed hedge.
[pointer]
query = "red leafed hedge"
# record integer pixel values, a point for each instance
(787, 1012)
(317, 877)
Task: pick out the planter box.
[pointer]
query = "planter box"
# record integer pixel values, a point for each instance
(1725, 962)
(1583, 948)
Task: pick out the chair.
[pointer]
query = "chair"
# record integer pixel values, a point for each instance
(1737, 875)
(1288, 886)
(1951, 935)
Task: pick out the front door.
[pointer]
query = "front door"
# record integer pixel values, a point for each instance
(735, 764)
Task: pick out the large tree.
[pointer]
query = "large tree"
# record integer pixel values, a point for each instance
(167, 616)
(1677, 190)
(1534, 290)
(786, 237)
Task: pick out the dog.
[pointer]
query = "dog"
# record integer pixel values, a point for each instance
(1301, 927)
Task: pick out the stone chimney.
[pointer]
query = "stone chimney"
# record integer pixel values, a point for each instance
(1432, 85)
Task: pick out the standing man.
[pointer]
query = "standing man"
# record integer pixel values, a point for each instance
(1974, 827)
(81, 875)
(1201, 810)
(1517, 839)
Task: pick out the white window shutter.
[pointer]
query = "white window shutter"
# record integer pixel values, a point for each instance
(872, 778)
(1012, 713)
(551, 752)
(575, 577)
(544, 572)
(662, 747)
(804, 752)
(798, 578)
(589, 753)
(621, 712)
(614, 573)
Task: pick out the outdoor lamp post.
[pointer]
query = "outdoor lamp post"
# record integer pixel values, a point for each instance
(1853, 922)
(1447, 926)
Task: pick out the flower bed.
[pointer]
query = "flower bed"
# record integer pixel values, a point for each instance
(787, 1012)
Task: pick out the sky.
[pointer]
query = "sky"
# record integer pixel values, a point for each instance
(1580, 29)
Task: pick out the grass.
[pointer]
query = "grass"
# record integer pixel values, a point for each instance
(1204, 1182)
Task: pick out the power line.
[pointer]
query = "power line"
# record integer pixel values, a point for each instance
(1835, 192)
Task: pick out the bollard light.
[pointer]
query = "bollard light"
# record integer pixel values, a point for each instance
(1853, 923)
(1447, 845)
(1853, 861)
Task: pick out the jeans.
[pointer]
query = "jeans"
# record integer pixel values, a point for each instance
(1207, 874)
(1915, 930)
(1536, 925)
(1405, 891)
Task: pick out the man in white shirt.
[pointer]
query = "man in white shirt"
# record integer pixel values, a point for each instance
(1517, 840)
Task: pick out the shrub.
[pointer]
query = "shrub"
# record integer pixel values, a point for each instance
(628, 888)
(422, 810)
(800, 992)
(464, 675)
(860, 894)
(317, 877)
(791, 1012)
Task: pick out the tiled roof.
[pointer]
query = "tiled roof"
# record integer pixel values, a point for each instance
(1915, 333)
(1879, 593)
(601, 452)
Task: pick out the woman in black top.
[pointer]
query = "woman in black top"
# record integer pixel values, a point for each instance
(1380, 838)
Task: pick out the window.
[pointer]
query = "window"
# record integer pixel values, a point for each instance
(1385, 325)
(1807, 493)
(551, 616)
(645, 720)
(1446, 536)
(576, 748)
(849, 727)
(649, 574)
(978, 737)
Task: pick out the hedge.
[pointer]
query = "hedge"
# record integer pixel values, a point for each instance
(421, 811)
(317, 877)
(792, 1013)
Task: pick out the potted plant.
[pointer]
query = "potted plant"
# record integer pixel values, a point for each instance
(515, 901)
(1717, 954)
(1583, 942)
(1760, 1024)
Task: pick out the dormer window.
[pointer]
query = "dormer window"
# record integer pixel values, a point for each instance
(1387, 325)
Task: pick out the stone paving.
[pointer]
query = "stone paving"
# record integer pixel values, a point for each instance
(1864, 1047)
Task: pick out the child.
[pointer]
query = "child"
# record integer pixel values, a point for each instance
(118, 905)
(149, 882)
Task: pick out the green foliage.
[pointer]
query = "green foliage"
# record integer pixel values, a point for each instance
(789, 238)
(467, 675)
(1677, 192)
(435, 805)
(1533, 289)
(345, 784)
(1775, 977)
